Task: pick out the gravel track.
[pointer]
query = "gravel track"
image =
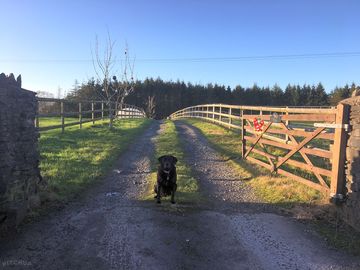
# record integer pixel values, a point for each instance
(110, 228)
(276, 242)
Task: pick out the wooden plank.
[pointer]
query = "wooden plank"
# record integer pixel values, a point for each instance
(308, 167)
(303, 181)
(42, 115)
(311, 151)
(66, 125)
(66, 100)
(265, 154)
(259, 162)
(297, 117)
(299, 133)
(339, 149)
(218, 114)
(257, 140)
(299, 147)
(304, 109)
(266, 136)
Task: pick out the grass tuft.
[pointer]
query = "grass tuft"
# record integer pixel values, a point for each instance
(168, 143)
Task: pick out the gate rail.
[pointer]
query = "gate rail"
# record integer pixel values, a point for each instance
(306, 144)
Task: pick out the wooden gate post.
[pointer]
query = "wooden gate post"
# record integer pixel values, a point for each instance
(80, 115)
(213, 115)
(243, 141)
(337, 185)
(92, 113)
(230, 119)
(102, 110)
(62, 116)
(287, 124)
(220, 111)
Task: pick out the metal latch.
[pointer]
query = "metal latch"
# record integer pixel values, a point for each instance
(346, 127)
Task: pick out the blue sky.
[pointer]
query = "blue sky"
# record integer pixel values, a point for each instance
(49, 42)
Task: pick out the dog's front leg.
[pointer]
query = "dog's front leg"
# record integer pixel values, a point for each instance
(159, 194)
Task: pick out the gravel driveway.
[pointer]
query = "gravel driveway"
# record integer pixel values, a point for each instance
(110, 228)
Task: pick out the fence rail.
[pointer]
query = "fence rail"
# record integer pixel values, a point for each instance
(305, 144)
(81, 112)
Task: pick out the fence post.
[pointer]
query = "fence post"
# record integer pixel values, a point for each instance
(80, 115)
(243, 141)
(102, 110)
(220, 111)
(92, 113)
(230, 119)
(62, 116)
(337, 185)
(37, 120)
(287, 124)
(213, 115)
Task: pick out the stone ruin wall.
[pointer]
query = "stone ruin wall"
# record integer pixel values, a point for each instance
(350, 210)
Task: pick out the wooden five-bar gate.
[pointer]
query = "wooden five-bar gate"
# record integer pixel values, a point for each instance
(306, 144)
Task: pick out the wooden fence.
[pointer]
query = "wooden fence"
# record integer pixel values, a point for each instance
(306, 144)
(70, 113)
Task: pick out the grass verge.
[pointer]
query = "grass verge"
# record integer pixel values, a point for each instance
(168, 143)
(72, 160)
(305, 203)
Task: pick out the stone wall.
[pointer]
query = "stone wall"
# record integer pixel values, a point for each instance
(350, 210)
(19, 157)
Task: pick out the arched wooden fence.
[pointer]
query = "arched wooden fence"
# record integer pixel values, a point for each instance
(306, 144)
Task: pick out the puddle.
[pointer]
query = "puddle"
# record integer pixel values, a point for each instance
(112, 194)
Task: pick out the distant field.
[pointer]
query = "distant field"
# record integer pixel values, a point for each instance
(76, 158)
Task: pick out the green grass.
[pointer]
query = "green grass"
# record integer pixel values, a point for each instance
(272, 189)
(72, 160)
(168, 143)
(52, 121)
(339, 235)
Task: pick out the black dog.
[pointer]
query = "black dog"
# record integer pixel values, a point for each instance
(166, 178)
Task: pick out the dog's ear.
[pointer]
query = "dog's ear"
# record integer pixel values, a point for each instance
(160, 158)
(174, 159)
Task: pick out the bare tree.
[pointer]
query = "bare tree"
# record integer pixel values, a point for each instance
(150, 106)
(114, 90)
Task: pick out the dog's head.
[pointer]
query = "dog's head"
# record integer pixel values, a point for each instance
(167, 162)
